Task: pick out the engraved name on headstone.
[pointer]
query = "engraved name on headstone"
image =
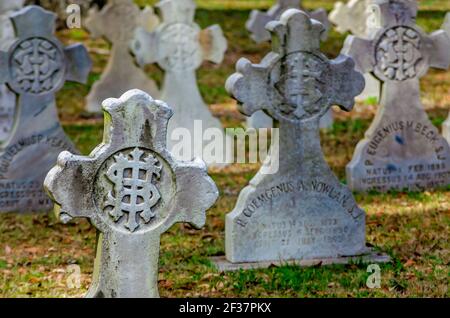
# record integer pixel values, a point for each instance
(179, 47)
(117, 22)
(402, 149)
(302, 211)
(132, 190)
(35, 66)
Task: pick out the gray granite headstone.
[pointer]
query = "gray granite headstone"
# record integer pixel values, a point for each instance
(7, 98)
(446, 125)
(35, 66)
(354, 17)
(117, 22)
(256, 25)
(301, 211)
(402, 149)
(179, 47)
(132, 190)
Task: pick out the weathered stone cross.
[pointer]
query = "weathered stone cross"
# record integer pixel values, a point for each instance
(296, 85)
(402, 149)
(446, 125)
(354, 17)
(258, 20)
(35, 67)
(179, 47)
(132, 190)
(7, 98)
(117, 22)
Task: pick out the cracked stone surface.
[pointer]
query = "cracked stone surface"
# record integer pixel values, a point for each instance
(446, 125)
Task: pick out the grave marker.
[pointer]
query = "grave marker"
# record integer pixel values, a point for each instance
(354, 17)
(302, 212)
(117, 22)
(179, 47)
(402, 149)
(132, 190)
(35, 67)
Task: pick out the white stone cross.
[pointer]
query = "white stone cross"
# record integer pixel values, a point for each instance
(7, 98)
(132, 190)
(292, 213)
(117, 22)
(402, 149)
(179, 47)
(35, 67)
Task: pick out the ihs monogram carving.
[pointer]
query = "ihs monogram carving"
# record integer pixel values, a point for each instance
(133, 190)
(398, 54)
(36, 66)
(302, 85)
(181, 41)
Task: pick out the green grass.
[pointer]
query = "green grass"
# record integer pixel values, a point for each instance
(36, 250)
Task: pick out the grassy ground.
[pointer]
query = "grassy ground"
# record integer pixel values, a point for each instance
(36, 250)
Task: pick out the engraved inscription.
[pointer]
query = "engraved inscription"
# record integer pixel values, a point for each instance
(398, 54)
(133, 190)
(183, 47)
(26, 192)
(36, 67)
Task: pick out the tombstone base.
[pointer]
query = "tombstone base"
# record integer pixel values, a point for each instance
(223, 265)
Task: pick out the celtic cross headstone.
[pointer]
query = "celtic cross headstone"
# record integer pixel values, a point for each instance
(354, 17)
(179, 47)
(116, 22)
(35, 66)
(256, 25)
(7, 98)
(132, 190)
(301, 211)
(402, 149)
(446, 125)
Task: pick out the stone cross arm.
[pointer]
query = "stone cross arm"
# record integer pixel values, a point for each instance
(134, 141)
(153, 47)
(56, 64)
